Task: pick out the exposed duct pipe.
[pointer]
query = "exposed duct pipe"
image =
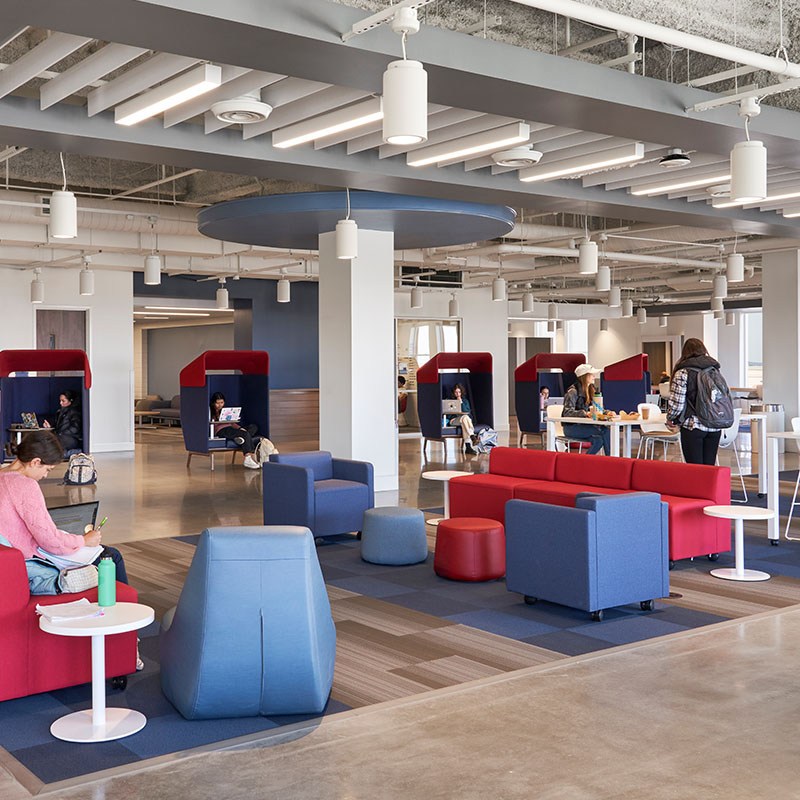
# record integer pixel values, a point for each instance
(532, 232)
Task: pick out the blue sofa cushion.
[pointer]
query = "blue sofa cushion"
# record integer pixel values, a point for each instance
(340, 505)
(319, 462)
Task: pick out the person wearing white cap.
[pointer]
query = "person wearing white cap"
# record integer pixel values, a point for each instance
(578, 401)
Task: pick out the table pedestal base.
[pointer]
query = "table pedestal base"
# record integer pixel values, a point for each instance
(78, 727)
(730, 574)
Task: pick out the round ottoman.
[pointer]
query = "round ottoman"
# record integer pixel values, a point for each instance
(470, 549)
(393, 535)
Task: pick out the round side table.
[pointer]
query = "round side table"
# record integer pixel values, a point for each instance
(100, 724)
(443, 475)
(738, 514)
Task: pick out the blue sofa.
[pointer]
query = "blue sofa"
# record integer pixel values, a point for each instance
(328, 495)
(609, 550)
(252, 633)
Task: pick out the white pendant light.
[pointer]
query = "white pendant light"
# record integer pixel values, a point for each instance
(735, 268)
(63, 215)
(347, 235)
(614, 297)
(730, 318)
(222, 295)
(559, 324)
(284, 291)
(152, 269)
(37, 287)
(551, 326)
(641, 316)
(527, 303)
(498, 289)
(587, 257)
(86, 281)
(602, 281)
(748, 171)
(416, 297)
(627, 307)
(603, 324)
(720, 286)
(552, 311)
(452, 307)
(663, 321)
(717, 304)
(719, 314)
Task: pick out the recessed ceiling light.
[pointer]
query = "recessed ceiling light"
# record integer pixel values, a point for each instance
(244, 110)
(524, 156)
(675, 158)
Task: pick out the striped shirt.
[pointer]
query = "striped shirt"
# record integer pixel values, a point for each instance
(677, 403)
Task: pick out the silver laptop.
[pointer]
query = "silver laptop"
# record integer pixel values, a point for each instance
(230, 414)
(75, 518)
(451, 406)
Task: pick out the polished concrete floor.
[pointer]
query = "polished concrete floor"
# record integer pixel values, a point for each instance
(703, 714)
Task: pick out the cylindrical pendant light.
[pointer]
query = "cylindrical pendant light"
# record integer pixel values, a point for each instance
(735, 268)
(152, 269)
(499, 289)
(552, 311)
(222, 295)
(717, 304)
(627, 307)
(284, 291)
(720, 287)
(663, 321)
(416, 297)
(63, 215)
(748, 172)
(641, 316)
(603, 324)
(587, 257)
(452, 307)
(730, 318)
(559, 324)
(527, 303)
(405, 103)
(346, 239)
(37, 287)
(602, 281)
(551, 326)
(614, 297)
(86, 281)
(719, 314)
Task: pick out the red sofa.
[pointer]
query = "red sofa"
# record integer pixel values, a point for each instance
(33, 661)
(556, 478)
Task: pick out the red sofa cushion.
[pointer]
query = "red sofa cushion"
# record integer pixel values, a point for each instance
(482, 495)
(682, 480)
(691, 532)
(614, 473)
(558, 493)
(536, 464)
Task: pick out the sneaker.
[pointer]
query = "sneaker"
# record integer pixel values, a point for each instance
(239, 440)
(468, 449)
(250, 463)
(474, 438)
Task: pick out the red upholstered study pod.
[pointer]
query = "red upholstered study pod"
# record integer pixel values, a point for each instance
(21, 392)
(248, 389)
(626, 383)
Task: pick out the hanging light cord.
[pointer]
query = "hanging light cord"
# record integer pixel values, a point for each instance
(403, 37)
(63, 173)
(347, 190)
(747, 127)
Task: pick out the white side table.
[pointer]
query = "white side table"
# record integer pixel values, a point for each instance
(443, 475)
(738, 514)
(100, 724)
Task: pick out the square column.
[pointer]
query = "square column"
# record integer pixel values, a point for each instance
(357, 381)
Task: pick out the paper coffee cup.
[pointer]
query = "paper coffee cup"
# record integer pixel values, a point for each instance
(645, 413)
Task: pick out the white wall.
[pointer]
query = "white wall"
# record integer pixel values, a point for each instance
(484, 329)
(731, 351)
(109, 343)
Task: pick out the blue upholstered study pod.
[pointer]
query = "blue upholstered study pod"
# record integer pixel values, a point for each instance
(435, 382)
(21, 392)
(248, 389)
(529, 382)
(626, 383)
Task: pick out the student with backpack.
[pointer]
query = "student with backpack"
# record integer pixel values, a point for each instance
(699, 403)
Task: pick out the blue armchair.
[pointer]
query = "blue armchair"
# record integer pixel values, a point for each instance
(608, 551)
(252, 633)
(328, 495)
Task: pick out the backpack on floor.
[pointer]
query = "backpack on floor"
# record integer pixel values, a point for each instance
(264, 449)
(487, 439)
(81, 470)
(713, 406)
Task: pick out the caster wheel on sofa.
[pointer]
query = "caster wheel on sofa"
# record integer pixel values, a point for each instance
(647, 605)
(597, 616)
(671, 564)
(774, 542)
(358, 535)
(713, 556)
(120, 682)
(530, 600)
(761, 495)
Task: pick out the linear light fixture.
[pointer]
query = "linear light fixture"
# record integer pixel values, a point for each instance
(171, 314)
(665, 188)
(792, 215)
(191, 84)
(342, 119)
(770, 198)
(571, 166)
(484, 142)
(185, 308)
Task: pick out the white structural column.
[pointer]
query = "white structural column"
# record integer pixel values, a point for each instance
(357, 361)
(781, 331)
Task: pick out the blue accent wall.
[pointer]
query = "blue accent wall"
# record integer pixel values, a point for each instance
(289, 332)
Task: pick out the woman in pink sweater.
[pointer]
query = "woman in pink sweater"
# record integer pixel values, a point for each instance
(24, 519)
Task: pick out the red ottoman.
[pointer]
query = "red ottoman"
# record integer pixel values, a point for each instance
(470, 549)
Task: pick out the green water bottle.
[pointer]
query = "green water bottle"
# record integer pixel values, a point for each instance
(106, 582)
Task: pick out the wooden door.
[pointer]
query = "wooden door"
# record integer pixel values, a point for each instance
(58, 329)
(659, 358)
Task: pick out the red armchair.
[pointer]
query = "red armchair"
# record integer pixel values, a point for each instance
(33, 661)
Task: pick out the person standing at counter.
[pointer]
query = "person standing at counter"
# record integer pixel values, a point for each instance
(578, 402)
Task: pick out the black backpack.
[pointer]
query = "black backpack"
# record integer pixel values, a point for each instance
(713, 406)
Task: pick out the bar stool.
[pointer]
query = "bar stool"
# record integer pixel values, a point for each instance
(795, 429)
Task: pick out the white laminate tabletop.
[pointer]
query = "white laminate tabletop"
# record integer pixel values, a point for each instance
(783, 435)
(738, 512)
(119, 618)
(443, 474)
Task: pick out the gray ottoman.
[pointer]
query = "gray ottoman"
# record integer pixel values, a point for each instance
(393, 535)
